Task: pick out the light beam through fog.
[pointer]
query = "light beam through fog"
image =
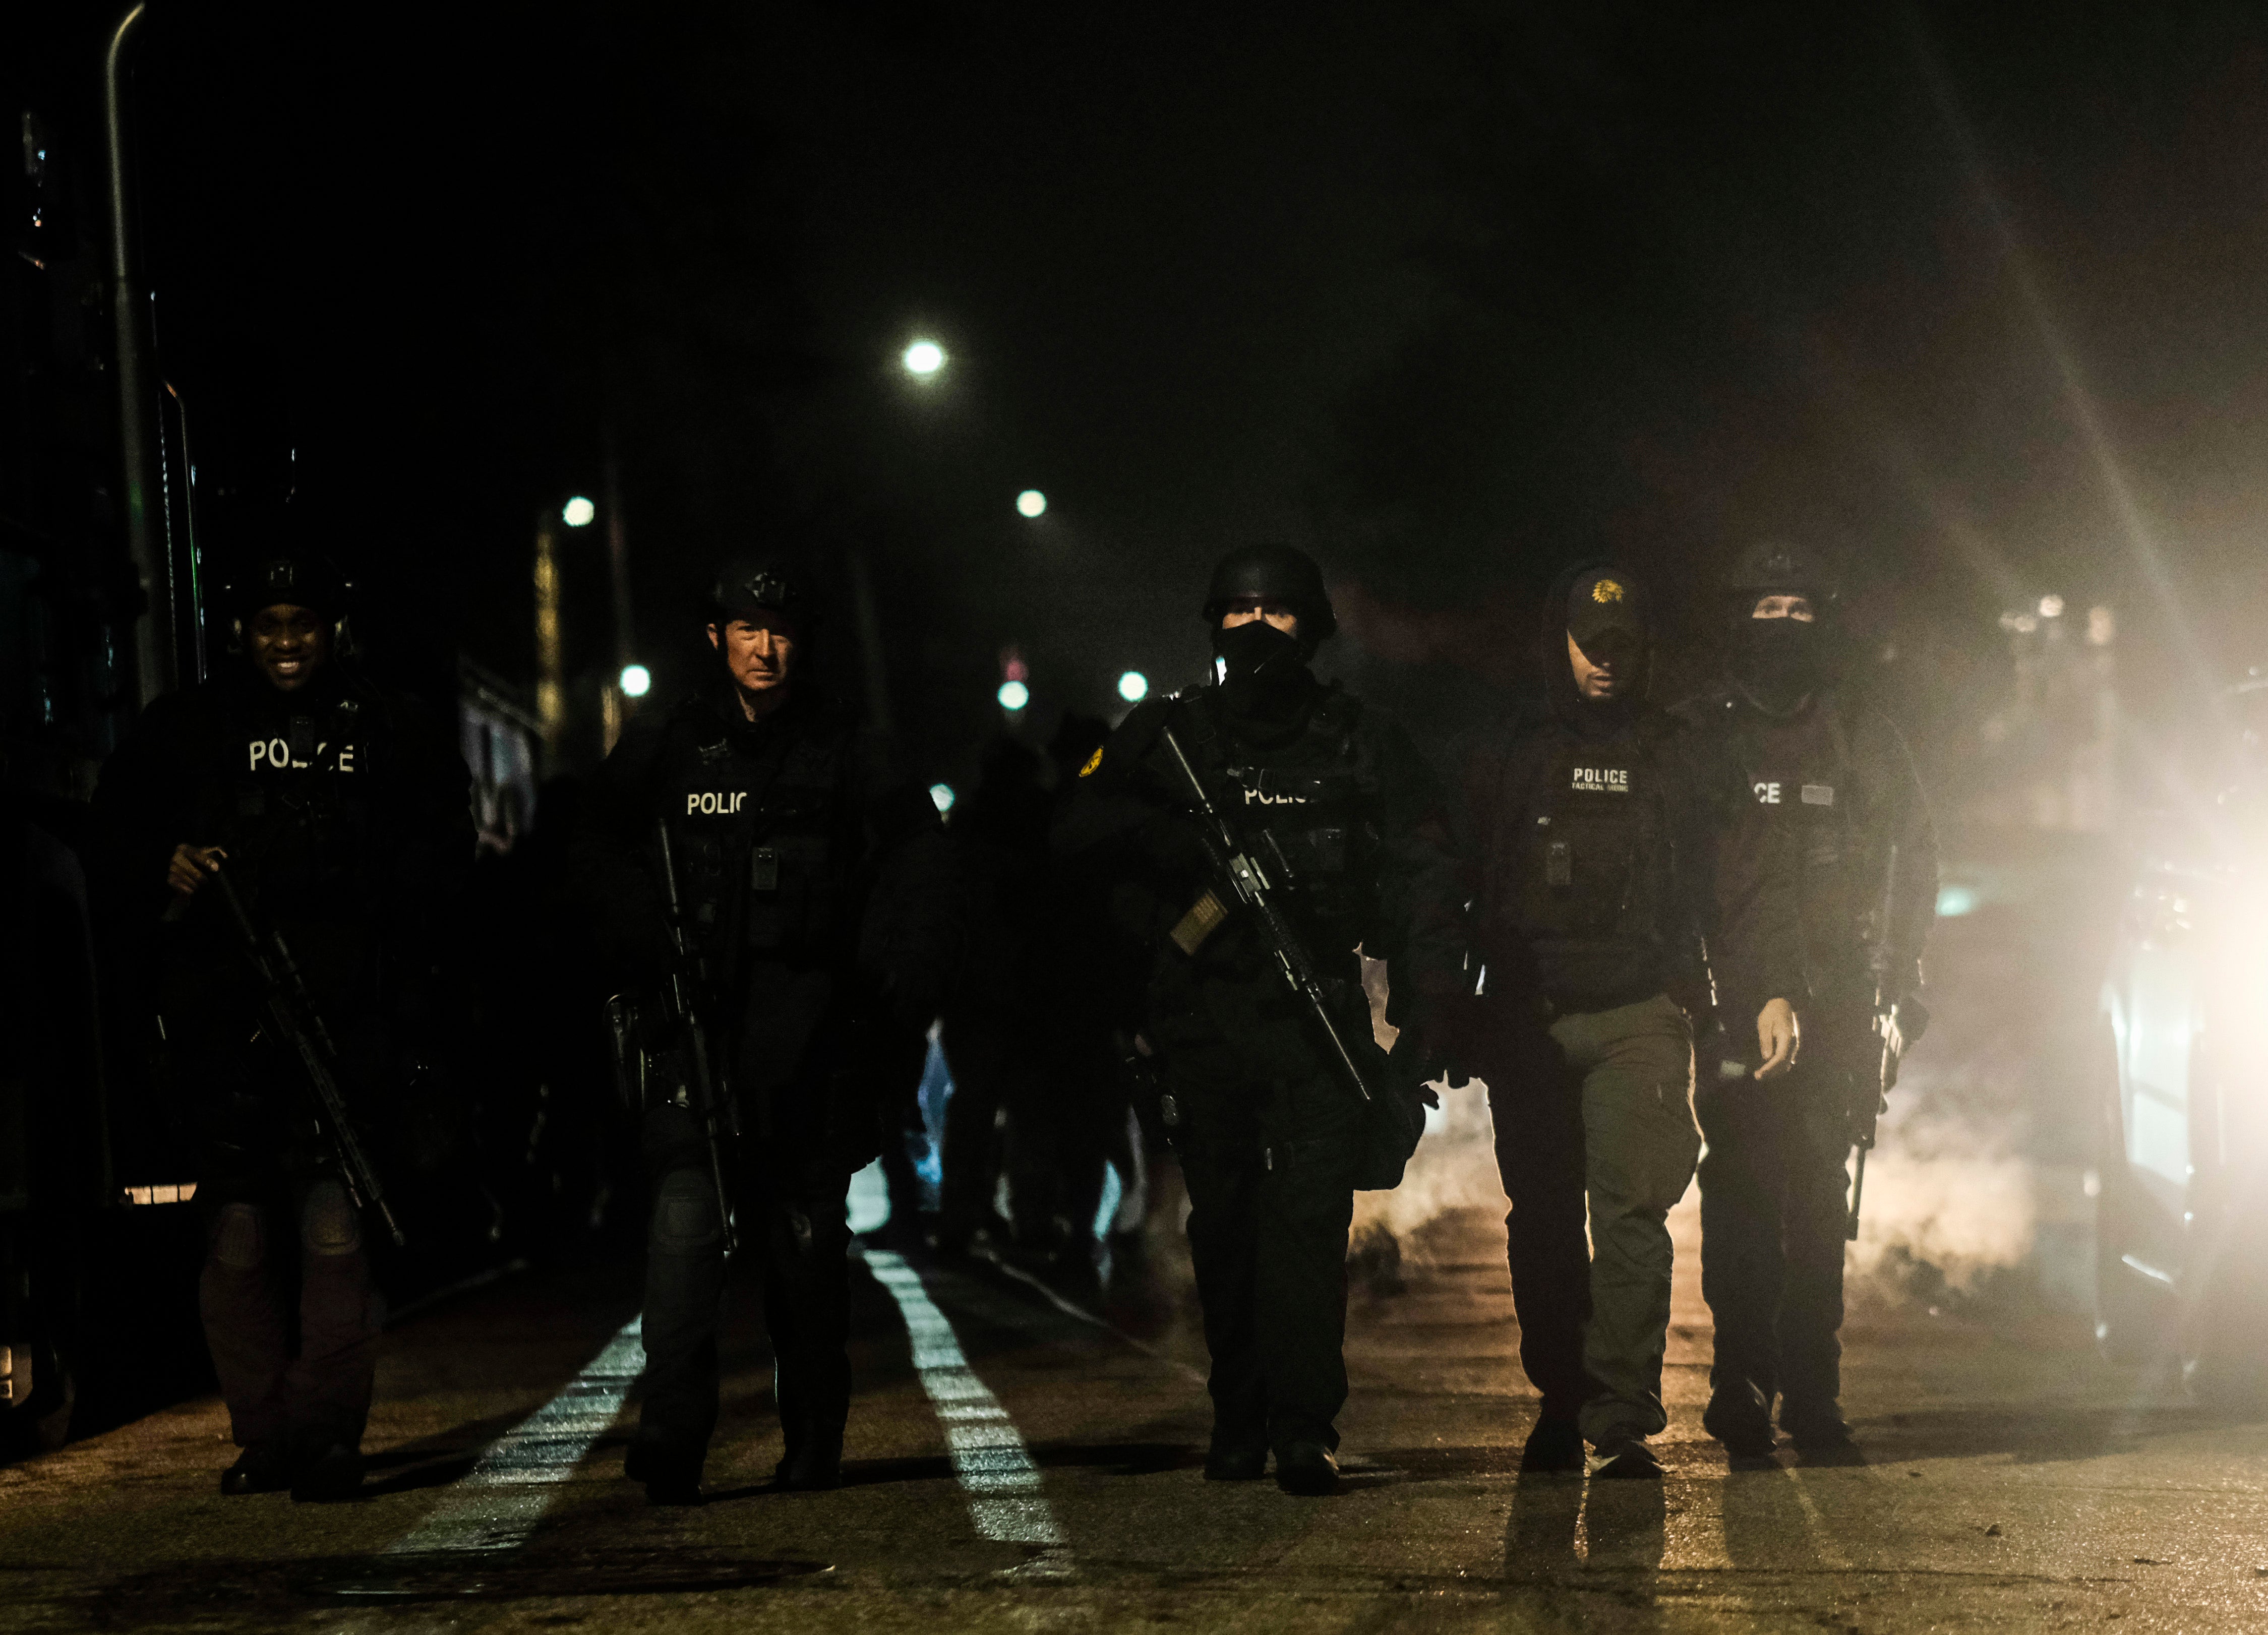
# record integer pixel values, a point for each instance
(2078, 399)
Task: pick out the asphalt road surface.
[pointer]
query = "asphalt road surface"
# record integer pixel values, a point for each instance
(1017, 1466)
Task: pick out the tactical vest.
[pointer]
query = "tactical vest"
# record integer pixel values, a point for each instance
(755, 826)
(1809, 800)
(1309, 808)
(1592, 857)
(301, 782)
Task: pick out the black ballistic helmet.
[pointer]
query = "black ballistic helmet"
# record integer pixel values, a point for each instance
(747, 587)
(294, 580)
(1274, 573)
(1776, 568)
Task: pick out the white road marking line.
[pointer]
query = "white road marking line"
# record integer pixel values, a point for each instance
(496, 1504)
(989, 1458)
(1821, 1545)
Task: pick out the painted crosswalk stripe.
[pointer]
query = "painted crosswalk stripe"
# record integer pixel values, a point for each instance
(498, 1503)
(989, 1458)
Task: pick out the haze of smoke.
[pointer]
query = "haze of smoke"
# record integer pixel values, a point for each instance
(1949, 1199)
(1949, 1188)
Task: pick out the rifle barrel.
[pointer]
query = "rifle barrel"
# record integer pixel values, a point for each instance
(1230, 857)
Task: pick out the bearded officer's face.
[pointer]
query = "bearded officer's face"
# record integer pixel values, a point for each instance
(761, 653)
(288, 645)
(1605, 667)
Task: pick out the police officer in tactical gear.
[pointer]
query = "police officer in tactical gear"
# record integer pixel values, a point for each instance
(822, 911)
(1273, 1137)
(339, 813)
(1586, 915)
(1813, 791)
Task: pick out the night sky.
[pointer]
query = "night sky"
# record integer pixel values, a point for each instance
(1449, 295)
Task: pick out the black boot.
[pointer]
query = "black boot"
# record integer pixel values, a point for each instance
(334, 1474)
(1235, 1460)
(1739, 1417)
(1556, 1444)
(1817, 1427)
(1626, 1459)
(812, 1464)
(672, 1475)
(263, 1468)
(1307, 1468)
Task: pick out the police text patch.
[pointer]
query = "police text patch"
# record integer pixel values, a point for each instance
(1600, 780)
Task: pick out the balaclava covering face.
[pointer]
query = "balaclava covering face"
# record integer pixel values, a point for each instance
(1259, 664)
(1780, 661)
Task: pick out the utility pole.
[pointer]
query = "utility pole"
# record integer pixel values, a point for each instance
(138, 443)
(618, 574)
(550, 649)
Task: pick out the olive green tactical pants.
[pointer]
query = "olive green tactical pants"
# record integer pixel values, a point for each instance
(1639, 1146)
(1600, 1115)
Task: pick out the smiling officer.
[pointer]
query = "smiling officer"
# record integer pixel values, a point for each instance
(1587, 914)
(1816, 791)
(340, 812)
(820, 912)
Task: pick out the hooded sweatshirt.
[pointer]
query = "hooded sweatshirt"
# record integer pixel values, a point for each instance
(1577, 811)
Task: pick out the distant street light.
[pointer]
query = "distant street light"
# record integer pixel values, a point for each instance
(1032, 503)
(1013, 695)
(578, 512)
(1133, 687)
(923, 358)
(941, 797)
(637, 681)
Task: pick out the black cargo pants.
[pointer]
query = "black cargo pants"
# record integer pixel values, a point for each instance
(1774, 1191)
(1269, 1169)
(284, 1262)
(793, 1221)
(290, 1314)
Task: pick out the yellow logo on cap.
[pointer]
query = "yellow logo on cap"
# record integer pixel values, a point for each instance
(1092, 762)
(1606, 590)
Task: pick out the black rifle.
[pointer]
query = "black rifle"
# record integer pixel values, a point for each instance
(708, 1094)
(1870, 1093)
(1233, 863)
(294, 1021)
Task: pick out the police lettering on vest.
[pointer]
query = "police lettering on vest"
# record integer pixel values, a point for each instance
(275, 754)
(714, 803)
(1600, 780)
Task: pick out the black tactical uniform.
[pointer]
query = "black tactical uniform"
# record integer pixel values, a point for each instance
(995, 1021)
(823, 913)
(1272, 1138)
(1814, 790)
(344, 810)
(1587, 915)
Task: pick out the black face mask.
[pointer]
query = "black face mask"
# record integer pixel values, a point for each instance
(1259, 662)
(1780, 660)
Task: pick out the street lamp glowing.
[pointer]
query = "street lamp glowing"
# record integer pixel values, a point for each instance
(940, 796)
(1013, 695)
(1032, 503)
(1133, 687)
(637, 681)
(923, 360)
(578, 512)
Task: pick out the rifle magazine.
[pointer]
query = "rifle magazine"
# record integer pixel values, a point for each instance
(1203, 919)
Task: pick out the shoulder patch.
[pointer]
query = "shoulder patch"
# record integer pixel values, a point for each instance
(1092, 762)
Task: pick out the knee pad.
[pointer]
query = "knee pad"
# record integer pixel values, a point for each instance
(238, 1237)
(328, 1224)
(685, 1213)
